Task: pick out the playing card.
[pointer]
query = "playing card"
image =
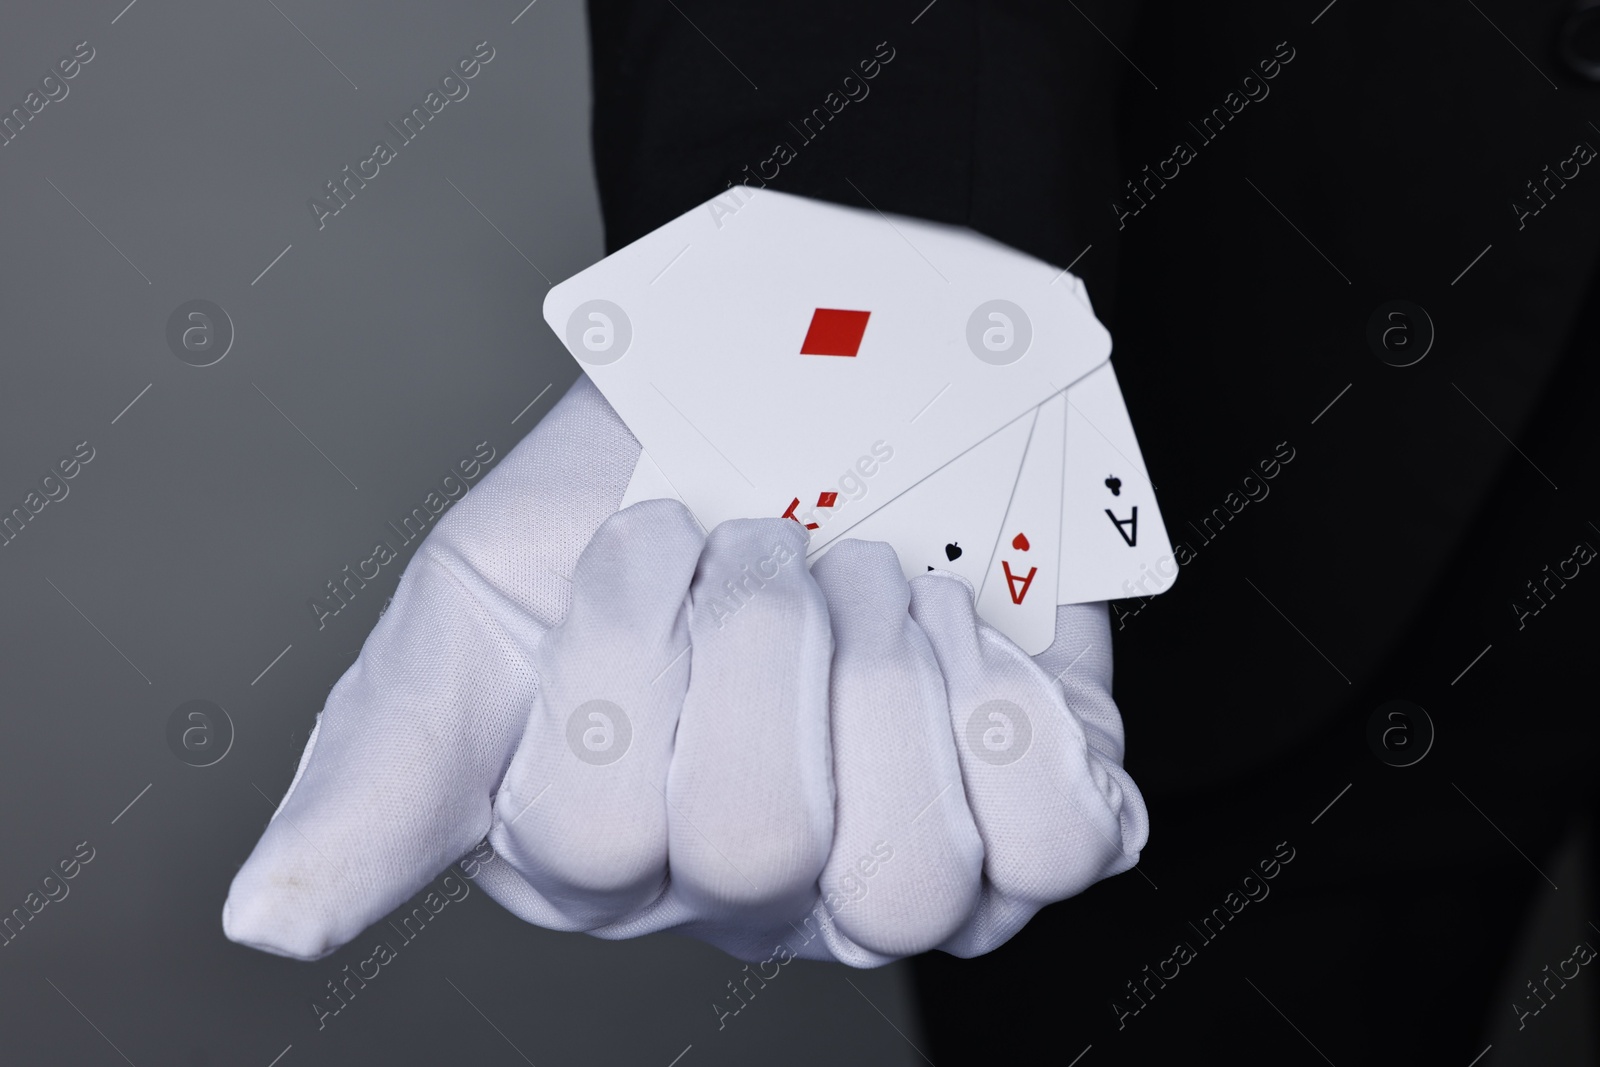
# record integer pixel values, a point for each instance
(1113, 542)
(647, 483)
(949, 521)
(797, 357)
(1018, 594)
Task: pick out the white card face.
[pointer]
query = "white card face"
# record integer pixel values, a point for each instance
(1018, 595)
(770, 355)
(1113, 543)
(647, 483)
(949, 521)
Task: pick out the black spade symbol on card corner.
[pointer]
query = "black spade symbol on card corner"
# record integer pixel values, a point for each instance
(952, 551)
(1114, 484)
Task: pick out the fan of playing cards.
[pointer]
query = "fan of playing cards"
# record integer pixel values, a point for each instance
(878, 377)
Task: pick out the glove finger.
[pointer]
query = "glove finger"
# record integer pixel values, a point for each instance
(907, 863)
(750, 811)
(397, 779)
(1053, 815)
(1079, 661)
(582, 812)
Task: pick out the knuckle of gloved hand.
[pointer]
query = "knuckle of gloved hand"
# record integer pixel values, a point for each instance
(866, 593)
(737, 538)
(624, 876)
(853, 559)
(907, 891)
(754, 569)
(650, 523)
(943, 595)
(765, 875)
(638, 547)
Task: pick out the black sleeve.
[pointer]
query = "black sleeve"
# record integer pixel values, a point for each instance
(997, 116)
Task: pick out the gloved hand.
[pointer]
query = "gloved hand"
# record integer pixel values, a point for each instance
(916, 781)
(398, 778)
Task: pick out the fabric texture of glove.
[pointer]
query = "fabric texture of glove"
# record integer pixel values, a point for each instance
(659, 730)
(398, 777)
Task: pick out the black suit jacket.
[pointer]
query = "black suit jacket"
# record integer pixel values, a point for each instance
(1246, 188)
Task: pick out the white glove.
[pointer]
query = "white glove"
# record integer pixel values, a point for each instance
(398, 778)
(935, 787)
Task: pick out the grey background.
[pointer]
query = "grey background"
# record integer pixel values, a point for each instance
(368, 359)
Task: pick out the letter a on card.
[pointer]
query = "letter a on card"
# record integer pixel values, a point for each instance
(1018, 592)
